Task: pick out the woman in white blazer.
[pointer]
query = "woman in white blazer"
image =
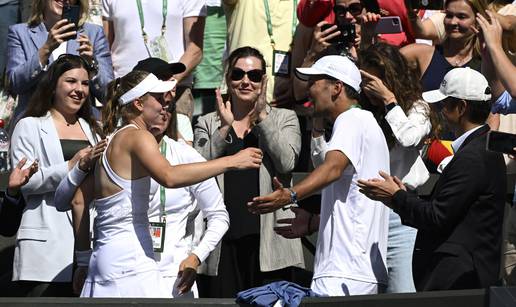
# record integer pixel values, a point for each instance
(58, 131)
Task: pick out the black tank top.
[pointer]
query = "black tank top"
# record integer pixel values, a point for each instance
(439, 66)
(71, 147)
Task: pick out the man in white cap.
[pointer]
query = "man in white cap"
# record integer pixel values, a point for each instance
(352, 240)
(460, 227)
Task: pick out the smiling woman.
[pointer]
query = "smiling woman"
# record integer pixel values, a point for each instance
(250, 254)
(459, 49)
(58, 130)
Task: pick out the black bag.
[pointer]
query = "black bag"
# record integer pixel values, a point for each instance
(10, 216)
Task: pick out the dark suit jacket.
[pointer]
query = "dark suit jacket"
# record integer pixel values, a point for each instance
(460, 227)
(11, 210)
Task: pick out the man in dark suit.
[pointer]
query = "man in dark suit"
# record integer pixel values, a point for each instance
(459, 237)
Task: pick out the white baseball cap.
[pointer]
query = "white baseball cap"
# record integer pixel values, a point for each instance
(336, 66)
(462, 83)
(151, 84)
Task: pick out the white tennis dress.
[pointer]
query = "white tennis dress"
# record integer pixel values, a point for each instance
(122, 263)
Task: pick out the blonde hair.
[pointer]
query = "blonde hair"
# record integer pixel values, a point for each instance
(478, 6)
(38, 9)
(113, 111)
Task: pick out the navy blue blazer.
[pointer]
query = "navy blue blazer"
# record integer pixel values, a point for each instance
(24, 69)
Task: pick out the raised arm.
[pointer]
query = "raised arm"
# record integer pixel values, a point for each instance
(146, 151)
(212, 144)
(193, 33)
(424, 29)
(23, 70)
(505, 70)
(280, 138)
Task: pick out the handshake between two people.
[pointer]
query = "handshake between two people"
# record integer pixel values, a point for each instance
(305, 223)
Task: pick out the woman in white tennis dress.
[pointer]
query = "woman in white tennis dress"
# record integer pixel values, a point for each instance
(122, 263)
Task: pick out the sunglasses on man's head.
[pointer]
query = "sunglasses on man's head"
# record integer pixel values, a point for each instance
(354, 9)
(255, 75)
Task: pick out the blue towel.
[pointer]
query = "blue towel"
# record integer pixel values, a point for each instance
(290, 293)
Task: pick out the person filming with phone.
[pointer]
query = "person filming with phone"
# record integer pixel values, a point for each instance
(55, 27)
(459, 235)
(344, 37)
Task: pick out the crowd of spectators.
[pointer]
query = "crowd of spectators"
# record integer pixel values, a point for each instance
(160, 138)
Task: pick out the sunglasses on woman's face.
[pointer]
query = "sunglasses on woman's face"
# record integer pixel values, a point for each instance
(255, 75)
(354, 9)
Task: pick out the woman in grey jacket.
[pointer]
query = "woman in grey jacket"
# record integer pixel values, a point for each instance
(250, 253)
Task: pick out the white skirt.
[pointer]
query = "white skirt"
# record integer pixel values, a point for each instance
(145, 284)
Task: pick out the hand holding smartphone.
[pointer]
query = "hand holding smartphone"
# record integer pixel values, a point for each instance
(347, 34)
(72, 14)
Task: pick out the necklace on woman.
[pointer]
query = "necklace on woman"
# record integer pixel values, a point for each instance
(460, 62)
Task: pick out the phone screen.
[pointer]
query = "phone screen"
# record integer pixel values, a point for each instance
(347, 34)
(72, 14)
(501, 142)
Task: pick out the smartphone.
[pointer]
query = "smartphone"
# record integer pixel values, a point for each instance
(347, 34)
(501, 142)
(427, 4)
(72, 13)
(388, 25)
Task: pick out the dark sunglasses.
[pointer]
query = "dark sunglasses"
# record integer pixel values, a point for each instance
(354, 9)
(254, 75)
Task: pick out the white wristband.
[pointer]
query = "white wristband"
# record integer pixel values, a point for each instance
(83, 257)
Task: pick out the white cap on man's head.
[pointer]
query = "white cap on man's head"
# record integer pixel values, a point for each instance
(336, 66)
(461, 83)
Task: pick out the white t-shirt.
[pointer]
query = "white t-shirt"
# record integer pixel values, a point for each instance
(128, 45)
(352, 241)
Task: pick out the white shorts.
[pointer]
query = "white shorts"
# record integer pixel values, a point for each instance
(338, 286)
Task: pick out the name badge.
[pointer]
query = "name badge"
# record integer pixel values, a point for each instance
(281, 63)
(157, 231)
(158, 48)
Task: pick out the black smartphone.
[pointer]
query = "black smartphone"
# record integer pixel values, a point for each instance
(501, 142)
(347, 34)
(388, 25)
(427, 4)
(72, 13)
